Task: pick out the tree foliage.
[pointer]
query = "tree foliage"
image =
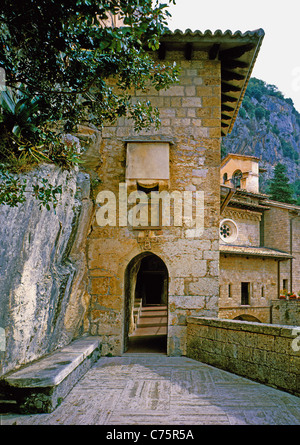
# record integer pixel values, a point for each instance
(65, 53)
(74, 62)
(280, 188)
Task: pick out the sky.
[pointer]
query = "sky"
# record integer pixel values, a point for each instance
(278, 62)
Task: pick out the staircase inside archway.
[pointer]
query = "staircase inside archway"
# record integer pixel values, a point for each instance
(150, 334)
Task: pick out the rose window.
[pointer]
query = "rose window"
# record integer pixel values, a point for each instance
(225, 231)
(228, 231)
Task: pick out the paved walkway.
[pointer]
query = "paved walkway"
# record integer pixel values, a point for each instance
(141, 389)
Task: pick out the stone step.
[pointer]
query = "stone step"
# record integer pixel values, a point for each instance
(8, 406)
(7, 403)
(153, 321)
(149, 314)
(150, 331)
(153, 316)
(156, 307)
(39, 387)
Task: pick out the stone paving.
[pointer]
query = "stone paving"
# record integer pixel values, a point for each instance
(153, 389)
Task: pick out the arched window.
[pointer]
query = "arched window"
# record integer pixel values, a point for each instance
(225, 177)
(236, 179)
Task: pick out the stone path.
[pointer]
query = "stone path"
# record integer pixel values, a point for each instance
(153, 389)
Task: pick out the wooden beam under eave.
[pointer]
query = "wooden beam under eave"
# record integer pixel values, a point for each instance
(236, 52)
(227, 108)
(227, 87)
(225, 117)
(226, 98)
(214, 51)
(226, 200)
(231, 75)
(188, 51)
(232, 64)
(162, 51)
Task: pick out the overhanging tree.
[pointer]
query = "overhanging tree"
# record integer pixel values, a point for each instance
(63, 56)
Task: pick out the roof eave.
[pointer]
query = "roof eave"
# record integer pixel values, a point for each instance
(237, 52)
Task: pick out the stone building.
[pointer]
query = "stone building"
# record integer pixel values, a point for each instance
(176, 258)
(85, 268)
(259, 247)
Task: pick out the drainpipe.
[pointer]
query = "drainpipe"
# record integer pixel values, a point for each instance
(291, 251)
(278, 290)
(278, 279)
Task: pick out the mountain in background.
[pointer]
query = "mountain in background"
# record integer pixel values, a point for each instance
(268, 127)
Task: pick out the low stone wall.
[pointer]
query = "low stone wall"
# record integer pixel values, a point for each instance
(286, 312)
(269, 354)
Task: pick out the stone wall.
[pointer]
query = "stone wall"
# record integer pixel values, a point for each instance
(295, 226)
(261, 273)
(277, 229)
(269, 354)
(248, 224)
(43, 293)
(190, 117)
(286, 312)
(281, 226)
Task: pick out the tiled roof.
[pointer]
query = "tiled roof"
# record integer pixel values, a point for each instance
(218, 33)
(254, 251)
(237, 52)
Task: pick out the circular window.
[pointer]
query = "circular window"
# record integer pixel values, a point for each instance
(228, 231)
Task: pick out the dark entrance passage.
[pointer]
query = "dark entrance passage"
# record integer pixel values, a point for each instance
(151, 283)
(145, 324)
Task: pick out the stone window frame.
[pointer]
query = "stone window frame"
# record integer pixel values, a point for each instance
(139, 183)
(246, 301)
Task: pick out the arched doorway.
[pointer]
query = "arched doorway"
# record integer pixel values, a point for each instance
(146, 302)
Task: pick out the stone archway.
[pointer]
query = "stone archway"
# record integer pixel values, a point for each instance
(146, 288)
(246, 317)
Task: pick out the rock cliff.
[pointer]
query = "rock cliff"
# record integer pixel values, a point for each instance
(43, 264)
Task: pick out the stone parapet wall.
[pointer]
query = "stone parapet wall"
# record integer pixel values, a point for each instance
(269, 354)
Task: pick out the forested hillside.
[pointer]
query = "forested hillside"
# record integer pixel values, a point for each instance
(268, 126)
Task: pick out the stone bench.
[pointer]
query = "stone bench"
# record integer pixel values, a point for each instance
(42, 385)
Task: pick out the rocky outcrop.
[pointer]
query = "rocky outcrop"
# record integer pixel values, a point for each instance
(43, 295)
